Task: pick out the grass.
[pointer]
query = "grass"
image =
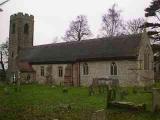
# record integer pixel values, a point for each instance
(42, 102)
(41, 94)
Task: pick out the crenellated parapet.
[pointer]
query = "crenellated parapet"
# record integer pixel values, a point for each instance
(21, 15)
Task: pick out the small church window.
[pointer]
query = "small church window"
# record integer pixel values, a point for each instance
(42, 70)
(60, 71)
(85, 69)
(13, 28)
(113, 68)
(26, 29)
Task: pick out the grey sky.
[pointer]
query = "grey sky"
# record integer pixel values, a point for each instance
(52, 17)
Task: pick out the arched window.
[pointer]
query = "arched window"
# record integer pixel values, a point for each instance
(13, 28)
(26, 29)
(85, 69)
(60, 71)
(113, 68)
(146, 58)
(42, 70)
(146, 61)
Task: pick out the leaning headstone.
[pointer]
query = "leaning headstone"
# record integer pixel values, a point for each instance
(156, 100)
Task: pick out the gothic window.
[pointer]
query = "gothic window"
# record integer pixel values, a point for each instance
(113, 68)
(42, 70)
(13, 28)
(146, 61)
(26, 29)
(60, 71)
(85, 69)
(146, 58)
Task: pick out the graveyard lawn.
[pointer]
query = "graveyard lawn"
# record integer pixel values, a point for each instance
(42, 102)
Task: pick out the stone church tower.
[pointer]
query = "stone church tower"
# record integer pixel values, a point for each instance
(20, 36)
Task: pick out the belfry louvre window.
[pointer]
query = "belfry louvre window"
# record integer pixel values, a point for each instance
(26, 29)
(60, 71)
(13, 28)
(85, 69)
(42, 70)
(113, 68)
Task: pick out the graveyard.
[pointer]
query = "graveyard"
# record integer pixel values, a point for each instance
(46, 102)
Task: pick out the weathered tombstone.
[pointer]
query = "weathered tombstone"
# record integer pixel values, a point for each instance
(99, 115)
(156, 100)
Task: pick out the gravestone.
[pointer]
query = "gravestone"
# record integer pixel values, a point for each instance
(156, 100)
(99, 115)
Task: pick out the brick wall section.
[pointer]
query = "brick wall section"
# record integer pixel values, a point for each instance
(101, 69)
(126, 76)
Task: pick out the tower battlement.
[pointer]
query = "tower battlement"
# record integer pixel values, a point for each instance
(22, 16)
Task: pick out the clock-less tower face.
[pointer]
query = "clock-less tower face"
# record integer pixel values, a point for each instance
(20, 37)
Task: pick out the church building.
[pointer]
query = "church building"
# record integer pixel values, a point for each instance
(127, 58)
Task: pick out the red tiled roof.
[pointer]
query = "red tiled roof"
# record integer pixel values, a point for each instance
(25, 67)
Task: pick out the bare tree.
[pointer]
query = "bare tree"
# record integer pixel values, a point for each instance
(2, 3)
(134, 26)
(78, 29)
(112, 23)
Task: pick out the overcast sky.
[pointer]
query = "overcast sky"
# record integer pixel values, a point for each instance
(52, 17)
